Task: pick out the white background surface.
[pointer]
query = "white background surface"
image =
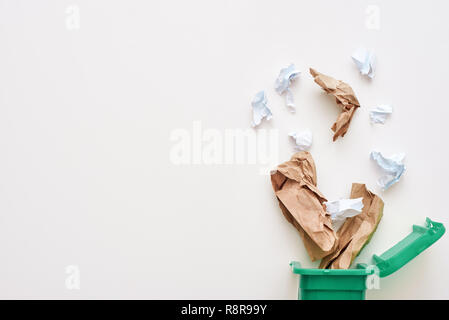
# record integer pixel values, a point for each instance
(85, 123)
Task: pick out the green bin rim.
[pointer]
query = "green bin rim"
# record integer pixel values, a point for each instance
(296, 268)
(391, 260)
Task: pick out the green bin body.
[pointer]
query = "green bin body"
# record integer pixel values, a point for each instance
(331, 284)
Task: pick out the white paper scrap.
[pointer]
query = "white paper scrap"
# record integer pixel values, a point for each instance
(365, 61)
(393, 167)
(260, 109)
(303, 139)
(341, 209)
(380, 113)
(282, 84)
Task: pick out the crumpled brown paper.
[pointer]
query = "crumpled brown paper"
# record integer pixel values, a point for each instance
(345, 98)
(357, 231)
(294, 183)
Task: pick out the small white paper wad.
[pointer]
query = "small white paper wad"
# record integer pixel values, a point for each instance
(303, 139)
(260, 109)
(341, 209)
(365, 61)
(392, 166)
(380, 113)
(282, 84)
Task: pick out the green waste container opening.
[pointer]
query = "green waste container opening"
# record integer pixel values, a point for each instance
(351, 284)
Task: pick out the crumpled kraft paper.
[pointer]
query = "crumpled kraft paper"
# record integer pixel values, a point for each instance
(345, 98)
(357, 231)
(294, 183)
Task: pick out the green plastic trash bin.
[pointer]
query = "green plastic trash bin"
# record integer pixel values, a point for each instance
(350, 284)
